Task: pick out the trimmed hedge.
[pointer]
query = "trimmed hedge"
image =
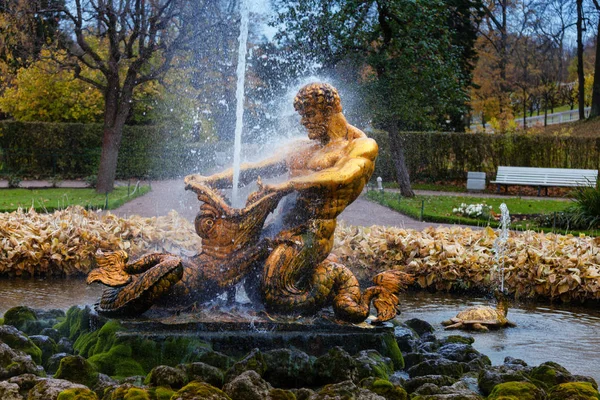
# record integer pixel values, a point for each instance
(433, 156)
(38, 149)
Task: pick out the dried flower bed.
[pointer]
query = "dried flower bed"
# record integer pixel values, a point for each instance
(535, 264)
(64, 242)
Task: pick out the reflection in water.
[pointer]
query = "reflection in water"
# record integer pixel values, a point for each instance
(567, 335)
(47, 293)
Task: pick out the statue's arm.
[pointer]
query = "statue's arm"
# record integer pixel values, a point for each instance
(249, 172)
(357, 164)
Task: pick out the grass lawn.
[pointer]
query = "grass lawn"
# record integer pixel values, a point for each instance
(439, 209)
(47, 200)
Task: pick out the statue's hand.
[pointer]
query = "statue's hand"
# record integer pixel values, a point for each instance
(265, 190)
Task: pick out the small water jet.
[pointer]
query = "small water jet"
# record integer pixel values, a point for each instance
(501, 242)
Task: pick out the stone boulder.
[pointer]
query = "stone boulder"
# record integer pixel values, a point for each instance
(14, 363)
(406, 338)
(288, 368)
(216, 359)
(54, 362)
(574, 391)
(440, 366)
(77, 369)
(372, 364)
(490, 377)
(336, 366)
(9, 391)
(18, 341)
(517, 390)
(201, 372)
(248, 386)
(419, 326)
(199, 390)
(415, 383)
(46, 344)
(77, 394)
(345, 390)
(164, 375)
(254, 361)
(49, 389)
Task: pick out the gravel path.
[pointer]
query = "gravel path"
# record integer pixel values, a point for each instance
(170, 195)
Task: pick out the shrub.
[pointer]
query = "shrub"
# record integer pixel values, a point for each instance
(585, 212)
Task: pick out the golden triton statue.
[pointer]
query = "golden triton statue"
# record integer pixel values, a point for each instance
(326, 173)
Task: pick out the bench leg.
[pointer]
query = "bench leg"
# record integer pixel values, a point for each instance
(497, 188)
(546, 191)
(539, 190)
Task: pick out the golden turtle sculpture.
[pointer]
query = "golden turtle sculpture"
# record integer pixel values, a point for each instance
(481, 318)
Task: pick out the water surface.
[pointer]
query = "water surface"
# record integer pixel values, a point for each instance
(568, 335)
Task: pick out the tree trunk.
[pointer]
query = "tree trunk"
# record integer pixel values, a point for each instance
(397, 153)
(115, 114)
(595, 110)
(580, 74)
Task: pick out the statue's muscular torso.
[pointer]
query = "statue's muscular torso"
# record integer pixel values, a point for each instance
(339, 170)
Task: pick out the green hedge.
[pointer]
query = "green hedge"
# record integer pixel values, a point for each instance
(433, 156)
(37, 149)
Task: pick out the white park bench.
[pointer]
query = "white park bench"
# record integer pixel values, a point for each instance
(545, 177)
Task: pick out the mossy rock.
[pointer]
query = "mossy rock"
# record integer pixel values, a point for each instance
(550, 374)
(253, 361)
(391, 350)
(1, 321)
(128, 392)
(20, 317)
(46, 344)
(77, 394)
(126, 355)
(216, 359)
(574, 391)
(200, 390)
(202, 372)
(371, 363)
(385, 389)
(117, 363)
(161, 393)
(516, 391)
(163, 375)
(77, 369)
(76, 322)
(16, 340)
(336, 366)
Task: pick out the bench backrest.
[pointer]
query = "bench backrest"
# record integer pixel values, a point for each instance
(547, 176)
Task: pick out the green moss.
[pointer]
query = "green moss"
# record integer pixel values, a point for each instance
(574, 391)
(388, 390)
(76, 322)
(117, 362)
(280, 394)
(392, 351)
(19, 317)
(516, 390)
(1, 321)
(162, 393)
(77, 369)
(200, 390)
(77, 394)
(129, 393)
(15, 341)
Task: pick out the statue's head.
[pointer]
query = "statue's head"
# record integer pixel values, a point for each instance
(316, 103)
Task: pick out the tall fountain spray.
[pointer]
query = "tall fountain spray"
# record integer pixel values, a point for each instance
(500, 244)
(239, 95)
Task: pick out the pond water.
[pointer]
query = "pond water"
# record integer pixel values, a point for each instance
(568, 335)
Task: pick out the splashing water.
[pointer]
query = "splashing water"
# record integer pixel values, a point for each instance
(500, 244)
(239, 95)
